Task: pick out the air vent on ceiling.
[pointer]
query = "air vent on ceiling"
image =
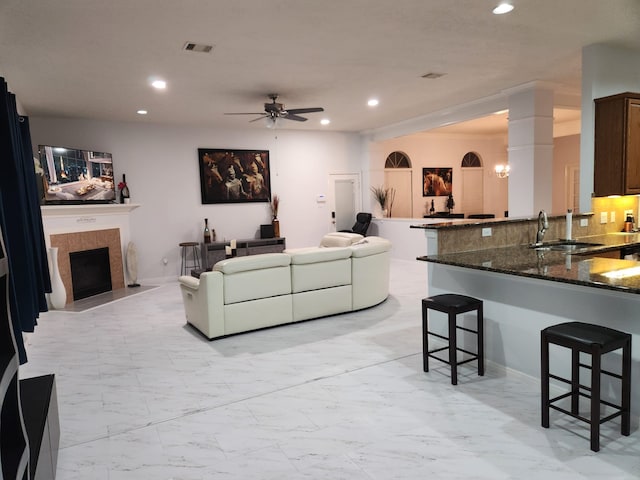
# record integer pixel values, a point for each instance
(432, 75)
(197, 47)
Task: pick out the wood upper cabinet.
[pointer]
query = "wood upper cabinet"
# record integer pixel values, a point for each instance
(617, 145)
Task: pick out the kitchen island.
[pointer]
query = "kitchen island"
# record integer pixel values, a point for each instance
(525, 290)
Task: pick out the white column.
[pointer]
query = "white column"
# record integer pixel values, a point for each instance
(530, 149)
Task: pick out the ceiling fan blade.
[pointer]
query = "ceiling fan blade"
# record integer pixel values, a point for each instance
(246, 113)
(305, 110)
(290, 116)
(262, 115)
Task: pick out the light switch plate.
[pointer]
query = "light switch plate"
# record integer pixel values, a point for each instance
(603, 217)
(584, 222)
(486, 232)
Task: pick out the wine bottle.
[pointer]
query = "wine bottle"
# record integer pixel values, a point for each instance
(124, 191)
(207, 232)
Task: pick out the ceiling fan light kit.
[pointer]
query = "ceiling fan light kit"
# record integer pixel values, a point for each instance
(275, 110)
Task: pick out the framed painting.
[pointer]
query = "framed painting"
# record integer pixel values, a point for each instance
(437, 182)
(234, 176)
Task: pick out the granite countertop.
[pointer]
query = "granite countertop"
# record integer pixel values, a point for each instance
(453, 223)
(583, 267)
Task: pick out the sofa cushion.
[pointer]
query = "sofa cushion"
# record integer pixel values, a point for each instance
(255, 276)
(318, 275)
(315, 254)
(340, 239)
(320, 303)
(252, 262)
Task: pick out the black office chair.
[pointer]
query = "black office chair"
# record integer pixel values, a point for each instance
(363, 220)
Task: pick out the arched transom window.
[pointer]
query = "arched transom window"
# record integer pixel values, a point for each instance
(471, 159)
(397, 160)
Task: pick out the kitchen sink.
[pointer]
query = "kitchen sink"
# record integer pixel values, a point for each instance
(563, 245)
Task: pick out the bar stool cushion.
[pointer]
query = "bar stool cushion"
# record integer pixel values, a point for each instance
(453, 300)
(587, 334)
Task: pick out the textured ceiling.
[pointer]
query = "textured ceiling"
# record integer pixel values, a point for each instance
(94, 58)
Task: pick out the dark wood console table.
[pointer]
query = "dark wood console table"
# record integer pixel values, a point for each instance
(211, 253)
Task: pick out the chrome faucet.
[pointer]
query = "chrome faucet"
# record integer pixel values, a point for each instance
(543, 224)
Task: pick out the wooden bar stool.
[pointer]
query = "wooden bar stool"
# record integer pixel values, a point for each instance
(596, 341)
(452, 305)
(187, 263)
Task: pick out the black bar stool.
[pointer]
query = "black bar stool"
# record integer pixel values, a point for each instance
(596, 341)
(452, 305)
(195, 256)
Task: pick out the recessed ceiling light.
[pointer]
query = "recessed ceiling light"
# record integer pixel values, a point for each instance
(500, 112)
(503, 8)
(373, 102)
(159, 84)
(325, 121)
(142, 112)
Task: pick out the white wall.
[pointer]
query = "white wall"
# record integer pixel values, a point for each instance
(161, 164)
(445, 150)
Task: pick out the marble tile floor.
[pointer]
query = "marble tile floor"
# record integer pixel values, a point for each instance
(143, 396)
(107, 297)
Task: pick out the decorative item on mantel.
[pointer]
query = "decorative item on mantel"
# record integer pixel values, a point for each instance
(275, 204)
(124, 190)
(432, 210)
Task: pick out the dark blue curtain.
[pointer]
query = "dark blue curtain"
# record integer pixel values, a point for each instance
(21, 221)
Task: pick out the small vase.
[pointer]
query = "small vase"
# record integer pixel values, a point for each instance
(276, 227)
(58, 295)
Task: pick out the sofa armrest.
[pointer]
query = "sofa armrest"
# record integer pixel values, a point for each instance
(204, 302)
(189, 282)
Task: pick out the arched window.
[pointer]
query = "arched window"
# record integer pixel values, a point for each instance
(397, 160)
(471, 159)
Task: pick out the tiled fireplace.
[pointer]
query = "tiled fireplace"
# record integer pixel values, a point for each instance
(89, 240)
(75, 228)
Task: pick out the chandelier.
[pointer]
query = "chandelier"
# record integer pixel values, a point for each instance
(502, 171)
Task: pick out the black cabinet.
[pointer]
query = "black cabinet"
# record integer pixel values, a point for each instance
(214, 252)
(40, 410)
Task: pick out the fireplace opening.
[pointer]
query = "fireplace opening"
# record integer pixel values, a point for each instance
(90, 272)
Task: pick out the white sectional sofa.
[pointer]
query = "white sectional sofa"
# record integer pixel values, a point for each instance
(248, 293)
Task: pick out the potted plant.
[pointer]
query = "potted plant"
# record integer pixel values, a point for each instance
(275, 204)
(381, 195)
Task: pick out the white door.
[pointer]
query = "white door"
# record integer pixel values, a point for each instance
(345, 200)
(472, 191)
(400, 180)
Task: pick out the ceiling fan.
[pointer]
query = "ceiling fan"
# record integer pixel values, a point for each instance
(275, 110)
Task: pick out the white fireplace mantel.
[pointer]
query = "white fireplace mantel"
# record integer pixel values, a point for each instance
(80, 218)
(92, 209)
